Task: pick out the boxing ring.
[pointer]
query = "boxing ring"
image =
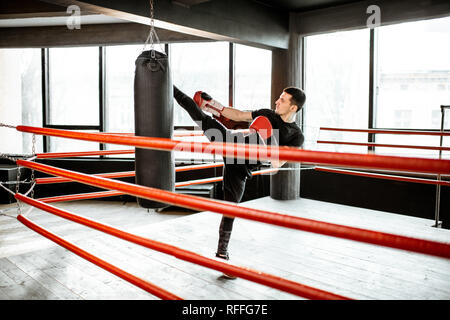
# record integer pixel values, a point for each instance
(263, 218)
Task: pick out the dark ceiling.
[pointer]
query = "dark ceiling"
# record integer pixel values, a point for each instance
(303, 5)
(284, 5)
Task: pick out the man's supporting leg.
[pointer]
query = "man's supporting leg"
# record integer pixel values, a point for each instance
(234, 179)
(234, 175)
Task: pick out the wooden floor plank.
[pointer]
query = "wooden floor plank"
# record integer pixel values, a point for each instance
(257, 255)
(32, 267)
(61, 291)
(150, 267)
(359, 253)
(115, 283)
(24, 287)
(252, 290)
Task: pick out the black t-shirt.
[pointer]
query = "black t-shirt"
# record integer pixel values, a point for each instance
(289, 134)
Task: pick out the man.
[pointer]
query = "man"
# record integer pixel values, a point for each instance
(236, 174)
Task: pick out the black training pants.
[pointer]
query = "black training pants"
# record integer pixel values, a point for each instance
(234, 174)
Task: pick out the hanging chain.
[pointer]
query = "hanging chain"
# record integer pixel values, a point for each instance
(19, 211)
(152, 32)
(7, 125)
(18, 182)
(33, 152)
(152, 15)
(152, 28)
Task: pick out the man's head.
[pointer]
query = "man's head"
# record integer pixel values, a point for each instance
(290, 101)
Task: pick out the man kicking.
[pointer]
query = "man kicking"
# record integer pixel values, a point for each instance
(265, 121)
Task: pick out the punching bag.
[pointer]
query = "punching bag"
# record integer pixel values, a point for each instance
(153, 117)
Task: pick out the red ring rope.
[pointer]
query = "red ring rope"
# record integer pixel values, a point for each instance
(125, 174)
(145, 285)
(245, 273)
(187, 133)
(233, 210)
(380, 131)
(82, 196)
(101, 194)
(54, 155)
(381, 145)
(259, 152)
(384, 176)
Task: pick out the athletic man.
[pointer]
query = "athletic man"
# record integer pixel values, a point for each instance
(236, 173)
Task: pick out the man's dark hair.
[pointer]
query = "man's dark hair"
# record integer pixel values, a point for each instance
(298, 96)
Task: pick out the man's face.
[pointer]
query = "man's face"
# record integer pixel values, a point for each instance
(283, 104)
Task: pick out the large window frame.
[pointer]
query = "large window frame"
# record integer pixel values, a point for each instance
(372, 96)
(45, 54)
(46, 103)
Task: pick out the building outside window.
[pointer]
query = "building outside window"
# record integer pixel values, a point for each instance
(73, 94)
(337, 88)
(119, 92)
(413, 72)
(20, 98)
(199, 66)
(74, 86)
(253, 70)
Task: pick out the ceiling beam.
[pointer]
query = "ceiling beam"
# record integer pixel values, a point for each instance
(239, 21)
(88, 35)
(355, 16)
(29, 9)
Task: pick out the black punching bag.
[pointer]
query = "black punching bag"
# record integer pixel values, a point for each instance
(153, 117)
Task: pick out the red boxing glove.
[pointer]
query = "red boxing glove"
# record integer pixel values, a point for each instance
(208, 104)
(262, 126)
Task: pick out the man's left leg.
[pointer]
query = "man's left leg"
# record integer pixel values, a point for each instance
(234, 179)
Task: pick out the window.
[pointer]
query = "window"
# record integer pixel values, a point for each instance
(412, 72)
(20, 98)
(253, 69)
(119, 91)
(402, 118)
(337, 88)
(199, 67)
(92, 88)
(408, 140)
(70, 145)
(436, 118)
(120, 67)
(74, 86)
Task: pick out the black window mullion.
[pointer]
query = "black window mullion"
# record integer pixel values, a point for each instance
(303, 75)
(231, 73)
(372, 84)
(45, 65)
(45, 94)
(102, 92)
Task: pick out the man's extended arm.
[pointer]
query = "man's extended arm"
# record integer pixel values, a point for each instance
(237, 115)
(208, 104)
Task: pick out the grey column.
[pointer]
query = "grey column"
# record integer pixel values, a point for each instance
(286, 66)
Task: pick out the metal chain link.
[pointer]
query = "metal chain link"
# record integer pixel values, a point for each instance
(6, 156)
(152, 33)
(14, 159)
(7, 125)
(33, 151)
(19, 210)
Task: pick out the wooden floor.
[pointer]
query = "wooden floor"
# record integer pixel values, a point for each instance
(32, 267)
